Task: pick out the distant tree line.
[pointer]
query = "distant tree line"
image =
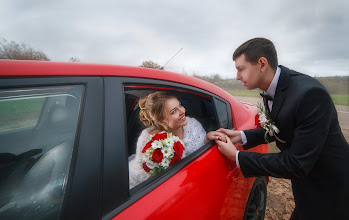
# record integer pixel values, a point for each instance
(151, 64)
(15, 51)
(335, 84)
(11, 50)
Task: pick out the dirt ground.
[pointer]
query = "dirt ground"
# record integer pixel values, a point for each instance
(280, 202)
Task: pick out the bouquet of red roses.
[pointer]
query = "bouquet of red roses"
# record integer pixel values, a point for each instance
(163, 150)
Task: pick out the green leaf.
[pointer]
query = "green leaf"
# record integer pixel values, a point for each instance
(157, 170)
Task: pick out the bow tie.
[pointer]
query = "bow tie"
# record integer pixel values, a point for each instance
(267, 97)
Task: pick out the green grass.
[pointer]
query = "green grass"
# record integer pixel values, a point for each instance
(248, 93)
(338, 99)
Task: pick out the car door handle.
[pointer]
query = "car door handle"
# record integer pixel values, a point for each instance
(232, 175)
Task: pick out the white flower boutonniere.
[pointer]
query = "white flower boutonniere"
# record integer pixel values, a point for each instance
(263, 120)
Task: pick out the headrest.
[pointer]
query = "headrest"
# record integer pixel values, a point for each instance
(59, 116)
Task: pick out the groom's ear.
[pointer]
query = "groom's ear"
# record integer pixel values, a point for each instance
(263, 62)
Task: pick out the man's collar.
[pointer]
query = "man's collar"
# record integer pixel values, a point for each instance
(274, 83)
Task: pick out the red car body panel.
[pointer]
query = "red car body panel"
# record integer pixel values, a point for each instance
(190, 194)
(210, 187)
(44, 68)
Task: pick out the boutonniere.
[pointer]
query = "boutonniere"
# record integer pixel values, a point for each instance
(263, 120)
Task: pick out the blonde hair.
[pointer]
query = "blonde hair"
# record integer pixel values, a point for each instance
(152, 108)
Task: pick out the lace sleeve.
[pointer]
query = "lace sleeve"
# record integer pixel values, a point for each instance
(136, 173)
(194, 135)
(142, 140)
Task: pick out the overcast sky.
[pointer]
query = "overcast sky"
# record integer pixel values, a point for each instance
(310, 36)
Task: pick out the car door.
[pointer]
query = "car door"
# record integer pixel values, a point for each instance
(201, 186)
(51, 146)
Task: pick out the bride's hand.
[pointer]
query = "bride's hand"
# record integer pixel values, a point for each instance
(214, 135)
(235, 136)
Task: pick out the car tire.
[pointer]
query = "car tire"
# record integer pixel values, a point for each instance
(256, 203)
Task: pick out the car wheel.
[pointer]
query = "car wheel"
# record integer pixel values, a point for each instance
(255, 208)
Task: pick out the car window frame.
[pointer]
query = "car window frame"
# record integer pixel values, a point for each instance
(85, 198)
(228, 110)
(114, 89)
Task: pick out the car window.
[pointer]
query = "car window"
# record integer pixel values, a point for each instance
(37, 133)
(200, 113)
(222, 113)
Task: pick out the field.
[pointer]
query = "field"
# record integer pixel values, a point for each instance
(337, 87)
(244, 93)
(338, 99)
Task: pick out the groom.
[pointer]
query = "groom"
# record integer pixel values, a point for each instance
(314, 153)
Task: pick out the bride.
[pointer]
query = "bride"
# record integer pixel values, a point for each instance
(159, 112)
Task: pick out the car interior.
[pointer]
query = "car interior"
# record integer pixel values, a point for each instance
(197, 106)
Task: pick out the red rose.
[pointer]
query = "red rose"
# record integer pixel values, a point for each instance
(148, 145)
(146, 168)
(256, 119)
(157, 156)
(174, 160)
(178, 148)
(159, 136)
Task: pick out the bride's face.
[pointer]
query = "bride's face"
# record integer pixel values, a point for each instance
(174, 114)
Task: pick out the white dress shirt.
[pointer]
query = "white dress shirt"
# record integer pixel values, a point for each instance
(271, 92)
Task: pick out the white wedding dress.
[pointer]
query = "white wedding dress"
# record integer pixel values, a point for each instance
(193, 138)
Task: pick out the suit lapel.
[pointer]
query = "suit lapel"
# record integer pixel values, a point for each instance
(280, 96)
(265, 102)
(277, 103)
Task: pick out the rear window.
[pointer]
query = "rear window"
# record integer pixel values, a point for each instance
(37, 132)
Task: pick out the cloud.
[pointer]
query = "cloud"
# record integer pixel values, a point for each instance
(310, 36)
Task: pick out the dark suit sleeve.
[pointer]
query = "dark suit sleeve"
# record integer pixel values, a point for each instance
(255, 137)
(312, 117)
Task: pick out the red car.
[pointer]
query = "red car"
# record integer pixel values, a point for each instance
(67, 130)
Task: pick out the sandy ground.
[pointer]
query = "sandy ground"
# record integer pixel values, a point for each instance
(280, 202)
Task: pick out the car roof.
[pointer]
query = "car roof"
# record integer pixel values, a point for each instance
(15, 68)
(25, 68)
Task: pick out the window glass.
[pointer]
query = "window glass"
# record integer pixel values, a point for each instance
(200, 118)
(22, 113)
(37, 133)
(222, 113)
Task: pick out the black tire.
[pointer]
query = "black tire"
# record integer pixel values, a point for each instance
(256, 204)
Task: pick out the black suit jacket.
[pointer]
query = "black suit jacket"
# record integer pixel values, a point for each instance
(315, 156)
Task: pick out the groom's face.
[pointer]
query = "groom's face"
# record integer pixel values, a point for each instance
(247, 73)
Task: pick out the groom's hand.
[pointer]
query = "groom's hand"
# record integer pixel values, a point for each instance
(227, 149)
(214, 135)
(235, 136)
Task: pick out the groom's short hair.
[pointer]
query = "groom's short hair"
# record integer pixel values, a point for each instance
(257, 48)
